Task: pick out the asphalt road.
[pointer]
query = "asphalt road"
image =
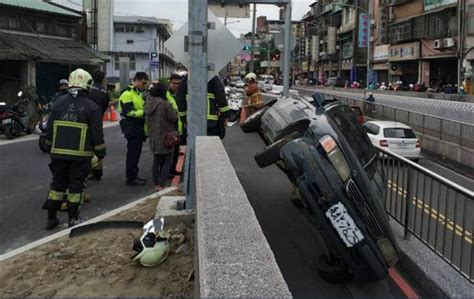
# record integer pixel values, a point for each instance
(25, 179)
(291, 236)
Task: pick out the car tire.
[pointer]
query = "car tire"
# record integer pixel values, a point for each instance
(271, 153)
(253, 122)
(335, 271)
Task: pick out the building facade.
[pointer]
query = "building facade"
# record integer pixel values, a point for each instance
(41, 44)
(138, 38)
(410, 41)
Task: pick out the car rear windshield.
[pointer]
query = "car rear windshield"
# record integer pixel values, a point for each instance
(346, 122)
(398, 133)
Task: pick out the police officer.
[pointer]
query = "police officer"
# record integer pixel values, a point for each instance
(74, 134)
(175, 79)
(218, 108)
(100, 96)
(131, 104)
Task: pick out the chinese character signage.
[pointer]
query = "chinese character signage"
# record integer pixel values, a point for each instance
(381, 53)
(402, 52)
(363, 30)
(432, 4)
(332, 34)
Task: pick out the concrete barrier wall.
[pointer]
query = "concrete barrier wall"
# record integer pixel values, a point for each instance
(233, 255)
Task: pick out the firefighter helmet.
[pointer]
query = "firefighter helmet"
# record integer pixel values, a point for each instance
(80, 79)
(250, 76)
(152, 249)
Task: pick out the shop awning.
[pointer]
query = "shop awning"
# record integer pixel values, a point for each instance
(44, 49)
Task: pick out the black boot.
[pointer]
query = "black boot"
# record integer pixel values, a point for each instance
(73, 213)
(52, 206)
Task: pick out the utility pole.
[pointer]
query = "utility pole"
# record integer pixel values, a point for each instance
(252, 45)
(369, 10)
(197, 91)
(460, 51)
(287, 51)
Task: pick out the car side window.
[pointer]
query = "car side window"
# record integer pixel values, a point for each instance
(375, 129)
(367, 128)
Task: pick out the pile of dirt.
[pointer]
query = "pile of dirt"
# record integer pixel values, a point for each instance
(98, 264)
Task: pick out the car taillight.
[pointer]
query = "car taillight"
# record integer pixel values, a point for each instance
(418, 144)
(384, 143)
(335, 156)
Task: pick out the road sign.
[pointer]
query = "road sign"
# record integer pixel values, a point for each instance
(154, 59)
(280, 38)
(222, 46)
(230, 10)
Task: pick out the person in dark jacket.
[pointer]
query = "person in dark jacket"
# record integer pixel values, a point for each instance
(98, 93)
(100, 96)
(75, 135)
(175, 79)
(131, 108)
(218, 109)
(63, 86)
(161, 118)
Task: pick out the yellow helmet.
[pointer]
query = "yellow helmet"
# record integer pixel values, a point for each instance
(80, 79)
(250, 76)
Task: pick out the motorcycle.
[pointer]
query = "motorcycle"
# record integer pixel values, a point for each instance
(235, 100)
(14, 119)
(40, 128)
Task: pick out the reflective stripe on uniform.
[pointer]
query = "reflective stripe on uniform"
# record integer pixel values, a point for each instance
(74, 197)
(55, 195)
(82, 141)
(256, 94)
(210, 96)
(99, 147)
(224, 109)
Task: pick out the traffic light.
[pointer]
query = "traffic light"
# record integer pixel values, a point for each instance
(246, 48)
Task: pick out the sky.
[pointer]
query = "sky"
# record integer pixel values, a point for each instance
(177, 11)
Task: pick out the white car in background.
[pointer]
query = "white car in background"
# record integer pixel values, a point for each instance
(395, 136)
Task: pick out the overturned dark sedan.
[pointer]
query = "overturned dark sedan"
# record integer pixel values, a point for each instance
(338, 181)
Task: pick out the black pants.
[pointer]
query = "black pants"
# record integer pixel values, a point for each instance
(69, 175)
(134, 150)
(161, 168)
(175, 158)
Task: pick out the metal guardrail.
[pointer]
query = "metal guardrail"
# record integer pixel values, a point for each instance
(437, 211)
(453, 131)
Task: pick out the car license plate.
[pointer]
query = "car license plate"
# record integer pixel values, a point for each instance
(344, 225)
(6, 121)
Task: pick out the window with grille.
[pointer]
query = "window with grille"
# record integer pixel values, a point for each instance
(401, 31)
(470, 20)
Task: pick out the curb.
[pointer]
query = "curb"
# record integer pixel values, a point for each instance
(66, 232)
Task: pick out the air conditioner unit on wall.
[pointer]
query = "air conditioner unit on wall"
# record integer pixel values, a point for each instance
(438, 44)
(449, 42)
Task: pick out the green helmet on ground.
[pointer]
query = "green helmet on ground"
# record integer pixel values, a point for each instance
(152, 250)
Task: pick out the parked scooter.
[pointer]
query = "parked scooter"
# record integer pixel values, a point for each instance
(14, 119)
(234, 99)
(40, 128)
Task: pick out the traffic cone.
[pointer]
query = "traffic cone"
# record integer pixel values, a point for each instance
(113, 114)
(106, 115)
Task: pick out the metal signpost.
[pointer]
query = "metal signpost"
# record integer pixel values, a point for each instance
(196, 45)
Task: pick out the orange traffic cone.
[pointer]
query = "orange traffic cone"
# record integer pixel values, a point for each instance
(113, 114)
(106, 116)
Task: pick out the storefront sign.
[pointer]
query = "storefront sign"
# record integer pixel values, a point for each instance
(381, 53)
(332, 40)
(432, 4)
(380, 66)
(315, 47)
(363, 30)
(403, 52)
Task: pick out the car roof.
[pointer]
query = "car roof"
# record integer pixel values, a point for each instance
(389, 124)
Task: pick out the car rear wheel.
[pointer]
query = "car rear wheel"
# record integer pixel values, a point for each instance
(271, 153)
